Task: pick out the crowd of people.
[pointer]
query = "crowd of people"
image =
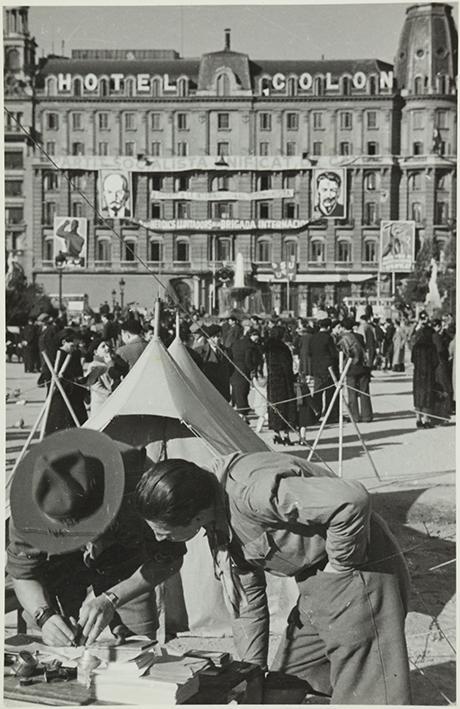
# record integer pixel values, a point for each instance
(283, 370)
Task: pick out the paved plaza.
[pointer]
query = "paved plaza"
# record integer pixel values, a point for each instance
(415, 493)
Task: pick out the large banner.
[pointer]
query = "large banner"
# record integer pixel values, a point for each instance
(329, 193)
(70, 241)
(115, 194)
(397, 246)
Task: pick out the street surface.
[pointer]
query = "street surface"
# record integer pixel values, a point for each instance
(415, 494)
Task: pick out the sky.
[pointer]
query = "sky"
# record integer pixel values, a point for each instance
(265, 31)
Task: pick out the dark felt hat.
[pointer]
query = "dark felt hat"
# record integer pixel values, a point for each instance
(67, 490)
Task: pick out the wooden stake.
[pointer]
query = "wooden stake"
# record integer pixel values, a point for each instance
(341, 395)
(61, 390)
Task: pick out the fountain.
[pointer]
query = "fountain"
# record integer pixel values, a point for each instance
(236, 294)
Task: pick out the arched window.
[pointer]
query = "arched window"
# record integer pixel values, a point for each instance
(370, 251)
(155, 251)
(129, 250)
(317, 251)
(182, 250)
(418, 85)
(48, 248)
(182, 86)
(104, 87)
(13, 60)
(289, 251)
(344, 251)
(104, 249)
(129, 87)
(292, 86)
(416, 212)
(224, 248)
(263, 251)
(51, 86)
(442, 84)
(77, 87)
(373, 85)
(346, 86)
(264, 85)
(319, 86)
(156, 86)
(223, 85)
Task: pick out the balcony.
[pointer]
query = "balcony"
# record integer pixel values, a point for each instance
(103, 265)
(129, 265)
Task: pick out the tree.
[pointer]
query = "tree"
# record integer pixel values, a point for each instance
(25, 300)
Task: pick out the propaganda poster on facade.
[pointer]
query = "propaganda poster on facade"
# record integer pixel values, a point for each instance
(329, 193)
(70, 241)
(115, 194)
(397, 246)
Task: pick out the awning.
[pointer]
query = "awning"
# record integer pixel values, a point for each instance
(318, 278)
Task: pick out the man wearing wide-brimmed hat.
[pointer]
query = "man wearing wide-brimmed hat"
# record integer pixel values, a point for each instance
(73, 527)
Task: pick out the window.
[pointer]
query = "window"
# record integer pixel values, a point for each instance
(415, 181)
(264, 251)
(264, 148)
(13, 121)
(416, 212)
(103, 249)
(51, 147)
(346, 86)
(182, 250)
(441, 119)
(223, 85)
(182, 210)
(265, 121)
(182, 183)
(289, 182)
(182, 121)
(370, 213)
(317, 251)
(13, 188)
(103, 148)
(442, 212)
(48, 249)
(77, 121)
(224, 249)
(289, 251)
(417, 148)
(49, 212)
(103, 121)
(157, 182)
(220, 183)
(77, 87)
(77, 181)
(319, 86)
(418, 119)
(346, 120)
(155, 251)
(263, 210)
(182, 87)
(223, 121)
(104, 87)
(344, 148)
(221, 210)
(14, 215)
(370, 251)
(371, 119)
(78, 149)
(441, 182)
(291, 147)
(223, 148)
(130, 121)
(264, 181)
(317, 119)
(182, 148)
(129, 250)
(292, 87)
(155, 121)
(317, 147)
(418, 85)
(155, 210)
(130, 148)
(52, 121)
(156, 87)
(292, 121)
(155, 149)
(14, 159)
(290, 210)
(344, 251)
(372, 148)
(373, 85)
(370, 181)
(77, 209)
(50, 180)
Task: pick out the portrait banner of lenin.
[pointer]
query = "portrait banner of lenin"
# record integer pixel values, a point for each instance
(114, 191)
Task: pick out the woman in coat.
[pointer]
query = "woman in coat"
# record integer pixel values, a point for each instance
(425, 360)
(280, 386)
(399, 346)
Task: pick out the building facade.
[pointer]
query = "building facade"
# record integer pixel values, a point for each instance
(222, 155)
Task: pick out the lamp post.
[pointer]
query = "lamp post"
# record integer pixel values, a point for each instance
(114, 298)
(122, 284)
(59, 263)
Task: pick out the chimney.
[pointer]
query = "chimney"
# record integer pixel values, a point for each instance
(227, 39)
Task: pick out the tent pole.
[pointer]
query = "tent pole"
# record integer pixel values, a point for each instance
(156, 327)
(177, 324)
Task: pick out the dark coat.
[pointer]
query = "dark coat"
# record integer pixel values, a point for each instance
(216, 367)
(442, 377)
(425, 360)
(323, 354)
(280, 385)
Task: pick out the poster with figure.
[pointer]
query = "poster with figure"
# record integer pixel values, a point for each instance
(397, 246)
(70, 241)
(115, 194)
(329, 193)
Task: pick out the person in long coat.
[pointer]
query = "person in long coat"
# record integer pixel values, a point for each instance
(213, 363)
(399, 346)
(443, 381)
(425, 361)
(323, 354)
(246, 359)
(30, 352)
(280, 386)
